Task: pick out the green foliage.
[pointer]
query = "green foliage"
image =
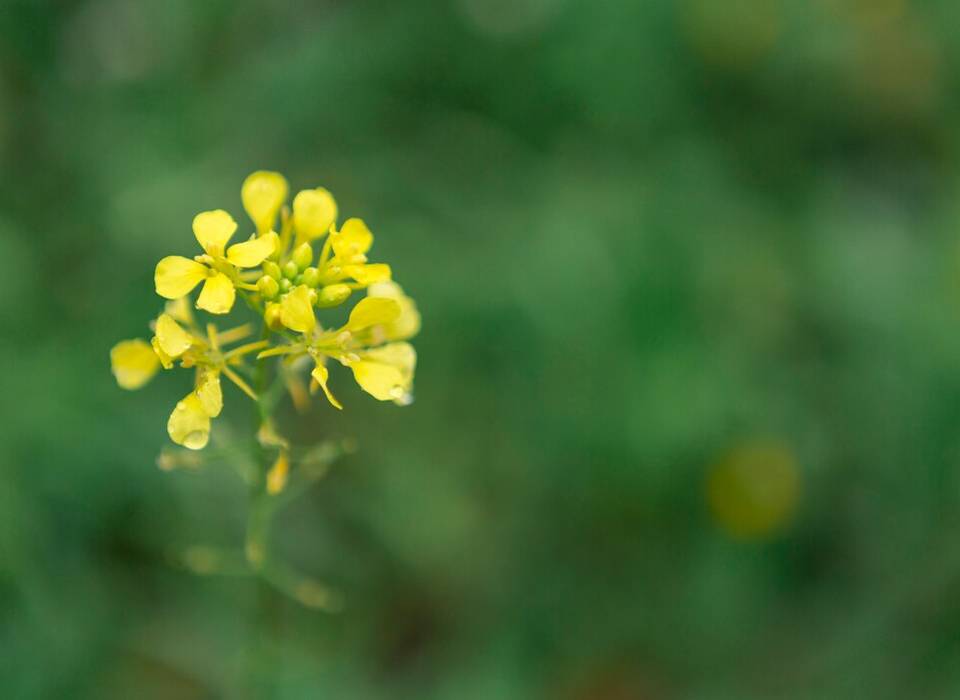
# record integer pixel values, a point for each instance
(641, 235)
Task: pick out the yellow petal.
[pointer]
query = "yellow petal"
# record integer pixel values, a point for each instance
(213, 229)
(381, 381)
(217, 295)
(263, 193)
(274, 238)
(372, 311)
(176, 276)
(165, 359)
(210, 393)
(399, 355)
(133, 363)
(314, 211)
(407, 324)
(368, 274)
(277, 476)
(179, 309)
(173, 340)
(253, 252)
(352, 241)
(189, 424)
(403, 358)
(321, 375)
(296, 311)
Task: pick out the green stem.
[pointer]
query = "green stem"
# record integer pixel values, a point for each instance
(259, 514)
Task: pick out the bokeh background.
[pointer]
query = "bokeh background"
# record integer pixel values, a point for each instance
(687, 419)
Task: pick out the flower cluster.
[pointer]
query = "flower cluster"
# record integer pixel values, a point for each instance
(295, 262)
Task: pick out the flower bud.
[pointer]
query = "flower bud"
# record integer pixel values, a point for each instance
(268, 287)
(311, 277)
(303, 255)
(290, 269)
(333, 294)
(271, 317)
(285, 285)
(272, 269)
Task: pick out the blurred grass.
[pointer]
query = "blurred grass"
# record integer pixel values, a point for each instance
(642, 235)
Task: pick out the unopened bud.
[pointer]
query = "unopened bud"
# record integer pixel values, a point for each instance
(333, 294)
(271, 268)
(311, 277)
(285, 285)
(303, 255)
(268, 287)
(290, 269)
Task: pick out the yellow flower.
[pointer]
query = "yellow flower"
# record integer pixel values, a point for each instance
(385, 372)
(350, 246)
(407, 324)
(263, 193)
(314, 212)
(133, 363)
(189, 424)
(176, 276)
(296, 310)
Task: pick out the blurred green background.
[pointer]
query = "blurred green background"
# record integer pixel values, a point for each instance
(687, 403)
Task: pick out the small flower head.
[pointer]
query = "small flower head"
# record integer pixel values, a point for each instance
(285, 280)
(218, 268)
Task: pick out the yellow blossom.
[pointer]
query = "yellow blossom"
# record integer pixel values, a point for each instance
(296, 310)
(314, 212)
(177, 276)
(133, 363)
(350, 246)
(263, 193)
(407, 324)
(189, 424)
(277, 476)
(386, 373)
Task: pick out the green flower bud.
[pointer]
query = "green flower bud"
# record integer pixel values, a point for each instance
(290, 269)
(272, 269)
(333, 294)
(285, 285)
(303, 255)
(271, 316)
(311, 277)
(268, 287)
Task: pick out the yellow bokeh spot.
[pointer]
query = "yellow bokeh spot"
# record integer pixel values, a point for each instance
(277, 476)
(754, 489)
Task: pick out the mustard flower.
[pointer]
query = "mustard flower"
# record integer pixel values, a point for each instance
(286, 281)
(176, 276)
